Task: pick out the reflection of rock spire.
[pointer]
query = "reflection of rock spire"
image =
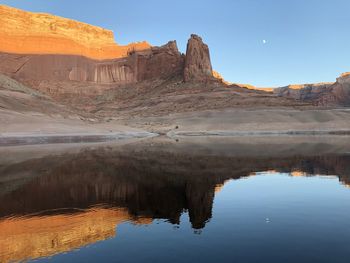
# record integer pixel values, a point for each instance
(90, 178)
(200, 199)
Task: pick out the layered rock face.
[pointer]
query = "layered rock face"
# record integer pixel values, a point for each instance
(303, 91)
(41, 47)
(322, 94)
(159, 62)
(35, 33)
(156, 62)
(340, 91)
(197, 63)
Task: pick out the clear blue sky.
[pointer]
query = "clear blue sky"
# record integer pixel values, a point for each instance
(306, 40)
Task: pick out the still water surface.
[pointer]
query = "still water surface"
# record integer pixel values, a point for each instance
(151, 204)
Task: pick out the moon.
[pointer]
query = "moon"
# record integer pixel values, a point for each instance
(264, 41)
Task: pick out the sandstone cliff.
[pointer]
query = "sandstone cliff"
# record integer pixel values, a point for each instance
(197, 63)
(303, 91)
(340, 91)
(321, 94)
(60, 56)
(154, 63)
(24, 32)
(41, 47)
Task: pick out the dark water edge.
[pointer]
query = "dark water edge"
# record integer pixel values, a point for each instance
(220, 135)
(258, 133)
(64, 139)
(244, 200)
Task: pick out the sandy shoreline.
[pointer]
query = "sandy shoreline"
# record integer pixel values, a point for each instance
(20, 139)
(243, 146)
(174, 134)
(30, 139)
(28, 128)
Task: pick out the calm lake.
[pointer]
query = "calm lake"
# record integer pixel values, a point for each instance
(192, 200)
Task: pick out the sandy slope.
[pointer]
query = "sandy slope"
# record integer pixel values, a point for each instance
(17, 123)
(243, 121)
(25, 112)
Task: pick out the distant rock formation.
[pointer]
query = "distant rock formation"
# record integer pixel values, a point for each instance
(303, 91)
(322, 94)
(341, 89)
(251, 87)
(197, 63)
(24, 32)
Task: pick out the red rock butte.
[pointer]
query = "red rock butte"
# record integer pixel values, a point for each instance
(23, 32)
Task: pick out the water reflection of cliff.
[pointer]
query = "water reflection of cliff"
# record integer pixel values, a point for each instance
(50, 199)
(39, 236)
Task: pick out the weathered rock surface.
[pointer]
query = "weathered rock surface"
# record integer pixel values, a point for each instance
(322, 94)
(303, 91)
(197, 63)
(341, 89)
(24, 32)
(41, 47)
(62, 56)
(160, 62)
(157, 62)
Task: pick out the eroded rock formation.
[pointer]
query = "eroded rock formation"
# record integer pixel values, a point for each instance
(302, 91)
(322, 94)
(44, 51)
(197, 63)
(41, 47)
(156, 62)
(341, 89)
(24, 32)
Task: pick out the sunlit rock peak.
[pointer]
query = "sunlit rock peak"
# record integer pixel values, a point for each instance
(25, 32)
